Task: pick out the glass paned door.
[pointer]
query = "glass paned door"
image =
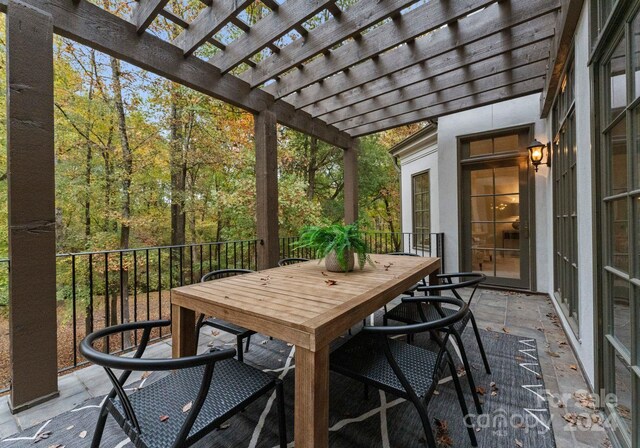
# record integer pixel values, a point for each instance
(496, 234)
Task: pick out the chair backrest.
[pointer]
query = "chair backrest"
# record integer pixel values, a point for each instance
(403, 254)
(444, 323)
(465, 280)
(137, 363)
(223, 273)
(288, 261)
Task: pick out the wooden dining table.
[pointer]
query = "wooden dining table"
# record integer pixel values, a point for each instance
(304, 305)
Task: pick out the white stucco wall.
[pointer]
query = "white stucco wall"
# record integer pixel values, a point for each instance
(583, 341)
(418, 162)
(516, 112)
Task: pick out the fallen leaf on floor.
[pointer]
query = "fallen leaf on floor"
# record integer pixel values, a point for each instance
(519, 443)
(215, 333)
(505, 329)
(225, 425)
(264, 342)
(164, 418)
(83, 434)
(56, 446)
(289, 344)
(442, 433)
(573, 367)
(480, 390)
(187, 407)
(554, 354)
(494, 393)
(69, 428)
(145, 375)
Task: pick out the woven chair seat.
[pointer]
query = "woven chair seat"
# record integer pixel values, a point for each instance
(409, 313)
(227, 326)
(234, 385)
(362, 358)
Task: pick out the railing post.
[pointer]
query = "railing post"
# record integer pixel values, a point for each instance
(266, 141)
(31, 201)
(350, 161)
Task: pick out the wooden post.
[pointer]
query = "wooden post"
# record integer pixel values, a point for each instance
(31, 202)
(266, 140)
(350, 160)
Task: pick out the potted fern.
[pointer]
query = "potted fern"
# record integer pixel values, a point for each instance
(337, 244)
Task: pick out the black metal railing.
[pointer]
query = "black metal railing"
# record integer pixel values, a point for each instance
(104, 288)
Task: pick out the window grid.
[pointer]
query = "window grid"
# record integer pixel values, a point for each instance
(420, 186)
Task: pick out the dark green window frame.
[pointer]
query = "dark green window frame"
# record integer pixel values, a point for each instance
(421, 209)
(565, 224)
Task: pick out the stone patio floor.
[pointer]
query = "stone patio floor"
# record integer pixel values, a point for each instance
(520, 314)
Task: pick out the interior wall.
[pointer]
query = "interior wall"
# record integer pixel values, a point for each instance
(517, 112)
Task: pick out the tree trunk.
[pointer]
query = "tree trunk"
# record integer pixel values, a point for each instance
(178, 175)
(313, 168)
(126, 188)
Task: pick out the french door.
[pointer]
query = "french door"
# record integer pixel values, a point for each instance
(495, 218)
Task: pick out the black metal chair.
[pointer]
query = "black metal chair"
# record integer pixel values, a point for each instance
(239, 332)
(188, 403)
(408, 371)
(413, 310)
(288, 261)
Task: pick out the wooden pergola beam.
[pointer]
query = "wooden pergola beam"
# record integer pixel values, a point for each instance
(270, 28)
(355, 19)
(91, 25)
(146, 11)
(567, 21)
(470, 102)
(266, 141)
(350, 166)
(31, 206)
(404, 28)
(423, 99)
(500, 70)
(210, 20)
(492, 26)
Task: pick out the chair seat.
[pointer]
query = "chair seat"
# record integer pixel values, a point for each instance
(227, 326)
(233, 386)
(409, 313)
(362, 358)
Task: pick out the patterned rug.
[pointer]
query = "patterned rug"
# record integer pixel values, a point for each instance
(515, 409)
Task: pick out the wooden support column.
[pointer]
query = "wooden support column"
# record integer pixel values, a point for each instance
(31, 201)
(266, 140)
(350, 160)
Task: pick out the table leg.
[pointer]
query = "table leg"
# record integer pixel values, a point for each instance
(312, 398)
(183, 331)
(433, 277)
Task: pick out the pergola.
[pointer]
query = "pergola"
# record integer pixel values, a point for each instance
(376, 65)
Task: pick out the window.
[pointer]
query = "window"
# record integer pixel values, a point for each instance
(618, 162)
(420, 188)
(565, 225)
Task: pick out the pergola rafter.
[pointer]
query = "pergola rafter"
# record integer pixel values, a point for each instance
(402, 29)
(420, 95)
(469, 102)
(444, 50)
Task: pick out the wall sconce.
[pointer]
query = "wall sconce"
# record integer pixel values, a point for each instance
(537, 153)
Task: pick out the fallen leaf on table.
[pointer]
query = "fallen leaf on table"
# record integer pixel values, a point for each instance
(164, 418)
(325, 274)
(187, 407)
(331, 282)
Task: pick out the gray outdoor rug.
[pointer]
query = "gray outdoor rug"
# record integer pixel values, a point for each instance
(516, 413)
